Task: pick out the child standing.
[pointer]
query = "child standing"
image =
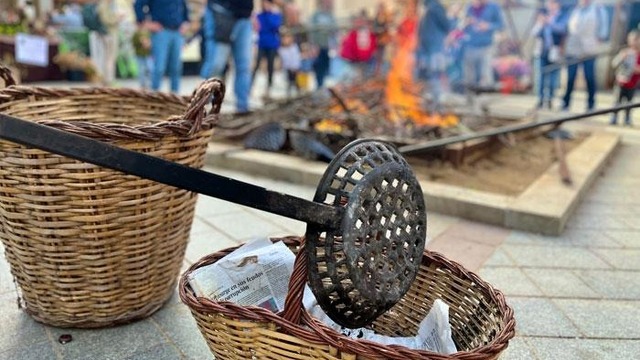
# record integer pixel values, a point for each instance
(142, 44)
(291, 59)
(627, 65)
(306, 67)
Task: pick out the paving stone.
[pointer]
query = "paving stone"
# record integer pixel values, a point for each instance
(38, 351)
(511, 281)
(601, 208)
(205, 243)
(438, 223)
(627, 259)
(477, 232)
(589, 238)
(627, 238)
(246, 226)
(631, 221)
(560, 283)
(554, 257)
(594, 221)
(162, 351)
(18, 330)
(468, 253)
(6, 279)
(518, 349)
(585, 349)
(603, 318)
(499, 258)
(119, 342)
(178, 324)
(201, 226)
(527, 238)
(612, 284)
(540, 317)
(208, 207)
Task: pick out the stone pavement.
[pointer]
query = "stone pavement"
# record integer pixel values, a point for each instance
(576, 296)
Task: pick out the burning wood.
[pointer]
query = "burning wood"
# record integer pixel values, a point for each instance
(358, 109)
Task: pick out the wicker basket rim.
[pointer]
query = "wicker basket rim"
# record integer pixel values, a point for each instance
(194, 119)
(313, 331)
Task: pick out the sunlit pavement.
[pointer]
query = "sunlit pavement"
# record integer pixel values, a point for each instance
(576, 296)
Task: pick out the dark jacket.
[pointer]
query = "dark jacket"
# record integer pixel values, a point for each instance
(240, 9)
(169, 13)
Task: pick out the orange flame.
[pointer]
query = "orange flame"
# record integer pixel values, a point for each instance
(401, 91)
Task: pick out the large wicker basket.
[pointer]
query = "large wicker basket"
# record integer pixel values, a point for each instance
(482, 323)
(88, 246)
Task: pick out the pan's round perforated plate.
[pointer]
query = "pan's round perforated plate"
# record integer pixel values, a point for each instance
(363, 267)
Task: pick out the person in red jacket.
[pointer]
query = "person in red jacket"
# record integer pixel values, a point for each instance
(627, 65)
(359, 45)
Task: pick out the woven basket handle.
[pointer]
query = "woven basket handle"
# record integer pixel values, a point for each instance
(209, 90)
(5, 74)
(293, 303)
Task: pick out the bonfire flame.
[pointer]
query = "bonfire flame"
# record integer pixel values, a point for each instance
(402, 93)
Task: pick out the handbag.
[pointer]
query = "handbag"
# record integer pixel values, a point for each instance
(223, 24)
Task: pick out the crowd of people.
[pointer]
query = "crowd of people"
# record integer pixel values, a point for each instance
(457, 48)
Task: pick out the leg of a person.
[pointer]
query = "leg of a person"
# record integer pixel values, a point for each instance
(97, 52)
(553, 84)
(321, 66)
(571, 78)
(629, 97)
(111, 53)
(241, 48)
(160, 52)
(208, 42)
(149, 69)
(271, 59)
(543, 79)
(223, 50)
(619, 94)
(175, 60)
(469, 67)
(589, 68)
(206, 70)
(434, 80)
(259, 56)
(142, 71)
(486, 70)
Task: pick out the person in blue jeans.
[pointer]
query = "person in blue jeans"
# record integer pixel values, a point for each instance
(482, 19)
(239, 46)
(430, 57)
(322, 36)
(587, 28)
(549, 32)
(208, 42)
(168, 21)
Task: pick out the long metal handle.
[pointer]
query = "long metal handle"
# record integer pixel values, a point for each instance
(434, 144)
(152, 168)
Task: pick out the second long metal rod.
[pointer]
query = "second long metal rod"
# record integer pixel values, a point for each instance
(430, 145)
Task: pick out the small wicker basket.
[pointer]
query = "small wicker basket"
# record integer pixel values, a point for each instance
(89, 246)
(482, 323)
